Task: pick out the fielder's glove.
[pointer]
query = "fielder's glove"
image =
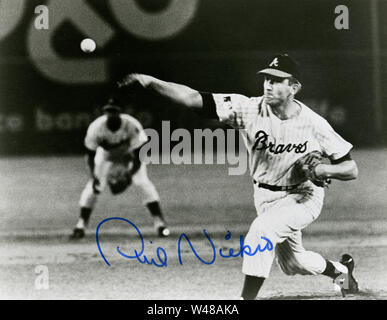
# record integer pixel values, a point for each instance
(304, 169)
(118, 178)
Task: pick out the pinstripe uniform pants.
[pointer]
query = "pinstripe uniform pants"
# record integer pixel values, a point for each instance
(281, 215)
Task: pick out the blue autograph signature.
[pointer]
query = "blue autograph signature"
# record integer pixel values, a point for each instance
(161, 254)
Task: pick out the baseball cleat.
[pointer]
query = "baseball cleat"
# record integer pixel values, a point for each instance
(163, 232)
(78, 233)
(345, 281)
(161, 227)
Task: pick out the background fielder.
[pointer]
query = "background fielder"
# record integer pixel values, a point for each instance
(113, 142)
(278, 130)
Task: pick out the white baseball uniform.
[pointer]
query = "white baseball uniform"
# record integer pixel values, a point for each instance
(274, 145)
(111, 147)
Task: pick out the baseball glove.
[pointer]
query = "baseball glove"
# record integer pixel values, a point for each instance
(118, 178)
(304, 169)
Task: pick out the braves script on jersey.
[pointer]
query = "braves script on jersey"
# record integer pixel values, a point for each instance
(128, 137)
(274, 145)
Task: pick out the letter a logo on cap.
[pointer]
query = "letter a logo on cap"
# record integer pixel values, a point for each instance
(274, 63)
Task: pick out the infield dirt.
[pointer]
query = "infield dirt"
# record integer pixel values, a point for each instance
(38, 203)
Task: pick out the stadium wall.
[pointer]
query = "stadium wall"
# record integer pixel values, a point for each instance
(50, 90)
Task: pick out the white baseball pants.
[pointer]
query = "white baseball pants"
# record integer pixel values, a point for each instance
(140, 181)
(281, 217)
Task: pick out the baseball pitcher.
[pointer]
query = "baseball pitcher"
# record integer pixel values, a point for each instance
(287, 144)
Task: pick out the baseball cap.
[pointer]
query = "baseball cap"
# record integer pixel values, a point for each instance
(112, 105)
(282, 66)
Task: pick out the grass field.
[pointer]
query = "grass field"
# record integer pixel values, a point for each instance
(39, 207)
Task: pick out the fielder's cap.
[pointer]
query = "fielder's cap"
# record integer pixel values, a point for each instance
(282, 66)
(112, 105)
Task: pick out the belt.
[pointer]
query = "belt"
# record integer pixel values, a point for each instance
(275, 188)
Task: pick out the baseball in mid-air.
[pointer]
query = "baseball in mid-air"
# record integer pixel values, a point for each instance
(88, 45)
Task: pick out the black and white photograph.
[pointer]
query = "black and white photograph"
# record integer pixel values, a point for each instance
(194, 150)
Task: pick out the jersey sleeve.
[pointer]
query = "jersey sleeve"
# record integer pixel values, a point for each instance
(332, 144)
(140, 139)
(138, 135)
(233, 109)
(91, 139)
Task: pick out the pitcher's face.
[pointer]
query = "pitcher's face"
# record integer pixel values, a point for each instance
(277, 91)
